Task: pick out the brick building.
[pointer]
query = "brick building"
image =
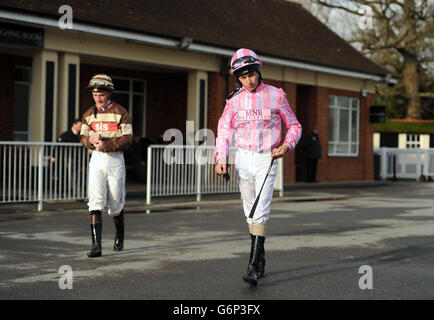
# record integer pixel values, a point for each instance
(169, 63)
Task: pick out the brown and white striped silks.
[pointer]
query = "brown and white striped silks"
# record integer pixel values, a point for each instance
(112, 124)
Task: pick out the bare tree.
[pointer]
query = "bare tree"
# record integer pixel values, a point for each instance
(322, 13)
(400, 37)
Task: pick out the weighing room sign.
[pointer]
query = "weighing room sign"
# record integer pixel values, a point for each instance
(21, 35)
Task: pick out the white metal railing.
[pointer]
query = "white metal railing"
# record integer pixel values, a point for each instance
(41, 171)
(189, 170)
(406, 163)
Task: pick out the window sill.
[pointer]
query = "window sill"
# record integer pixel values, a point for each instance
(343, 155)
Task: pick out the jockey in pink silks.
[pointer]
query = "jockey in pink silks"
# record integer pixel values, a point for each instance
(255, 113)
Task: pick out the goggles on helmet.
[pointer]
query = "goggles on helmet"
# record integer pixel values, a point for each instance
(243, 61)
(100, 82)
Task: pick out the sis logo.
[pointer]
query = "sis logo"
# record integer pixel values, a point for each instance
(104, 126)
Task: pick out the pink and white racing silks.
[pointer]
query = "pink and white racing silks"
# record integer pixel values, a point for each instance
(256, 118)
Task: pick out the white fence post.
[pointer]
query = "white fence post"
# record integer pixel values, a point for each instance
(383, 170)
(40, 177)
(198, 180)
(425, 163)
(148, 176)
(418, 163)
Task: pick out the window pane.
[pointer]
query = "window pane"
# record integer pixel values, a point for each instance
(354, 126)
(332, 100)
(122, 99)
(137, 118)
(139, 86)
(354, 149)
(333, 125)
(18, 136)
(342, 148)
(22, 74)
(343, 102)
(121, 84)
(21, 107)
(344, 125)
(413, 141)
(354, 103)
(331, 148)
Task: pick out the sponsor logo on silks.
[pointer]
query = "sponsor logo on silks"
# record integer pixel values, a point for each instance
(104, 126)
(254, 114)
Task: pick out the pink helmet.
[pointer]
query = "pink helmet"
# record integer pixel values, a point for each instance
(244, 61)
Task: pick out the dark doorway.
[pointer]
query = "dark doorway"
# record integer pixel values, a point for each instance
(389, 139)
(305, 114)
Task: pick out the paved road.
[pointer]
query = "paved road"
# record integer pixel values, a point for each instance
(314, 249)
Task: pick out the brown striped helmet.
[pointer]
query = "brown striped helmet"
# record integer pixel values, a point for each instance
(101, 82)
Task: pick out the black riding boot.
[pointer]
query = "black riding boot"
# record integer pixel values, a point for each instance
(261, 266)
(119, 238)
(96, 231)
(256, 256)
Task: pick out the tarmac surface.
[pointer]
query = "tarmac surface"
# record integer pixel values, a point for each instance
(320, 238)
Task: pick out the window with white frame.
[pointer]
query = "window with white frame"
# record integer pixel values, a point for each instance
(413, 140)
(343, 126)
(131, 94)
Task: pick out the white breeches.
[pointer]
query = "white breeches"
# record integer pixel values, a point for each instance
(251, 169)
(107, 182)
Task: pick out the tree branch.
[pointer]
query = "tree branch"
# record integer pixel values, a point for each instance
(326, 4)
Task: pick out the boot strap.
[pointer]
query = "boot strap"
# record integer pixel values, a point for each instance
(95, 217)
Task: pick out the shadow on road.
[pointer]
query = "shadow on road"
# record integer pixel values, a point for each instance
(383, 258)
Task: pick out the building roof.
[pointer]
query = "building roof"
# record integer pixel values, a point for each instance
(275, 28)
(405, 126)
